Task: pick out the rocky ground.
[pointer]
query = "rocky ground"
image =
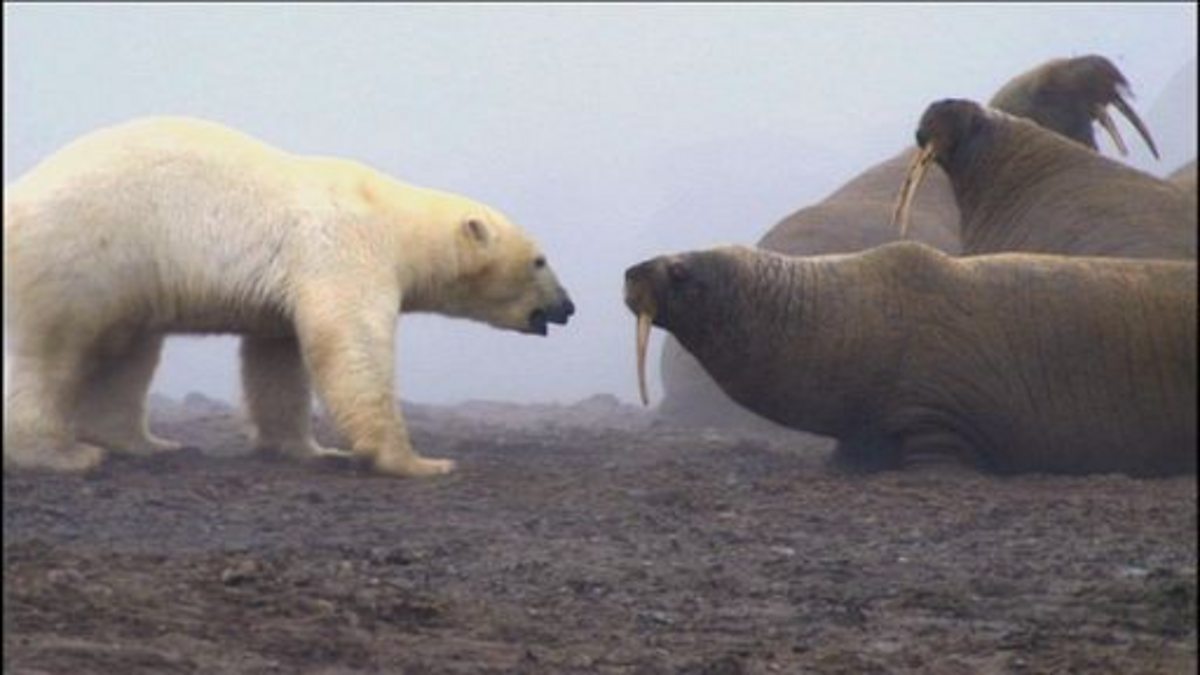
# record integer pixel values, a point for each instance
(588, 539)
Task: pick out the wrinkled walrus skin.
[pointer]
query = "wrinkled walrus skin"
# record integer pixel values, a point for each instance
(1015, 362)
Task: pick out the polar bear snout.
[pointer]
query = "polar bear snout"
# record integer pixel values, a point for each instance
(559, 312)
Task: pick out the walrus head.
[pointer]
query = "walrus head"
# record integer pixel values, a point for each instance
(945, 134)
(1069, 95)
(951, 132)
(676, 293)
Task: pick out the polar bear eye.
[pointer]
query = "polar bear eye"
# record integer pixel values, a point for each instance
(539, 262)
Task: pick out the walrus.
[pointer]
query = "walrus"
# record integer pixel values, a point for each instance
(1185, 177)
(1012, 362)
(1020, 187)
(1066, 95)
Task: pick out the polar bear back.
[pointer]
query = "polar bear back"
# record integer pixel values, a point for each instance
(150, 212)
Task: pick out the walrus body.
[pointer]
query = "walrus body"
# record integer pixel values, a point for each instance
(1016, 362)
(1185, 177)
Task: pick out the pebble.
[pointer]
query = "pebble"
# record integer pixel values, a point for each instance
(239, 573)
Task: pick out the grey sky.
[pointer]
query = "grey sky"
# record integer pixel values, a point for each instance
(611, 132)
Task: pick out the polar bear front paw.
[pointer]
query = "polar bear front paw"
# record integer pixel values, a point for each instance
(73, 458)
(129, 442)
(412, 465)
(298, 449)
(148, 445)
(338, 458)
(311, 451)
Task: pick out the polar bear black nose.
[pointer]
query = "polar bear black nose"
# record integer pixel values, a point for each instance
(561, 312)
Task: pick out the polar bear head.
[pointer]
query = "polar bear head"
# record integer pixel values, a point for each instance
(503, 277)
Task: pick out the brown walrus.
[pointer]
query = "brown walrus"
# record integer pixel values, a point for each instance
(1017, 362)
(1067, 95)
(1020, 187)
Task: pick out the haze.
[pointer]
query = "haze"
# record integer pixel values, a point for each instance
(611, 132)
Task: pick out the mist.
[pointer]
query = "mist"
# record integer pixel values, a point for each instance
(611, 133)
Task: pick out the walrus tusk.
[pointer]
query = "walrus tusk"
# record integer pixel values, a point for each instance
(1106, 121)
(908, 190)
(643, 338)
(1136, 122)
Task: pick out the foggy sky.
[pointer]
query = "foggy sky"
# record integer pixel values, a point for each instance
(611, 133)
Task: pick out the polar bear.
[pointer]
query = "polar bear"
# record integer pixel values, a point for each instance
(177, 225)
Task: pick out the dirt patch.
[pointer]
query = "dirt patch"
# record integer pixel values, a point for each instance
(588, 539)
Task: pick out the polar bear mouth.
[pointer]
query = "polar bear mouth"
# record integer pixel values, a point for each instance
(540, 318)
(537, 322)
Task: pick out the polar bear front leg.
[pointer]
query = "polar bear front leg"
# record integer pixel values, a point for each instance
(41, 397)
(347, 339)
(278, 397)
(112, 403)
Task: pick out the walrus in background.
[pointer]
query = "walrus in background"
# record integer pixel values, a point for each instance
(1068, 96)
(1185, 177)
(1014, 362)
(1020, 187)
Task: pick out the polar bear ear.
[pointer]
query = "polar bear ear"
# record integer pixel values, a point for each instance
(477, 230)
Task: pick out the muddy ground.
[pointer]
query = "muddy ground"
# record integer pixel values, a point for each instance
(587, 539)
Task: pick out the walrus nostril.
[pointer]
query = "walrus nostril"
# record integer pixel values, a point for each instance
(568, 308)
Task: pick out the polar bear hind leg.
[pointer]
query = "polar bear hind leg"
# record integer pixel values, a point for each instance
(278, 398)
(112, 403)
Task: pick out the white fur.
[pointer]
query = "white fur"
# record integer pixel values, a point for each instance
(171, 225)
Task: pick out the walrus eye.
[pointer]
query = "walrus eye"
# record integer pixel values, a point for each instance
(677, 272)
(539, 262)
